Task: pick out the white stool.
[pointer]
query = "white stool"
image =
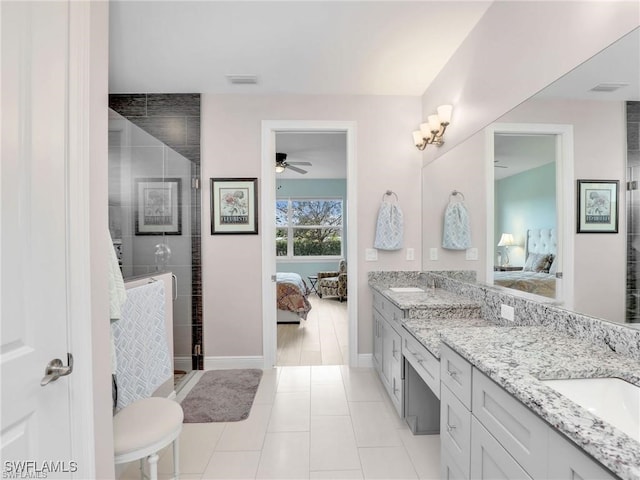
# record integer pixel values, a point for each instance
(143, 428)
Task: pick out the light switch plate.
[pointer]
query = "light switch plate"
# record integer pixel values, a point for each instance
(472, 254)
(411, 254)
(433, 253)
(371, 255)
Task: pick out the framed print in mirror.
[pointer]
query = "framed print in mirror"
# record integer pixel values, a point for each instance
(158, 206)
(234, 206)
(598, 206)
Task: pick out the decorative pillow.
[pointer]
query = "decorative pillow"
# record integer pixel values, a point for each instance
(553, 269)
(537, 262)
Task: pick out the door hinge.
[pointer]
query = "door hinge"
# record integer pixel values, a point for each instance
(195, 183)
(632, 185)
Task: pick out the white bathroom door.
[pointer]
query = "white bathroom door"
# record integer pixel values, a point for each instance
(35, 294)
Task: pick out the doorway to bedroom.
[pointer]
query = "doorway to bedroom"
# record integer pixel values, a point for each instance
(308, 322)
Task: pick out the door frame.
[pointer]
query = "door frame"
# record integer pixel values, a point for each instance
(268, 199)
(564, 196)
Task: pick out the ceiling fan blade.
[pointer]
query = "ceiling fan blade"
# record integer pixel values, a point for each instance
(296, 169)
(299, 163)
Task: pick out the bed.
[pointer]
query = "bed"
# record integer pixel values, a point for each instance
(538, 276)
(291, 298)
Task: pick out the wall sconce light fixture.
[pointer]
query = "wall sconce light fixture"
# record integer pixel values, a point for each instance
(432, 131)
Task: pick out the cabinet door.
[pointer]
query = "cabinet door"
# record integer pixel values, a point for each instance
(455, 430)
(395, 371)
(489, 461)
(377, 341)
(450, 470)
(566, 462)
(387, 352)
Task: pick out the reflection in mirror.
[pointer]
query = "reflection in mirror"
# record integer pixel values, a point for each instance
(525, 212)
(600, 103)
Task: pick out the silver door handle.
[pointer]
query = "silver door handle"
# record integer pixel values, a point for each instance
(56, 369)
(174, 285)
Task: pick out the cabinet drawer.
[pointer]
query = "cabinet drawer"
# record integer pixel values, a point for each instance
(568, 462)
(425, 364)
(455, 430)
(455, 373)
(489, 460)
(516, 427)
(388, 310)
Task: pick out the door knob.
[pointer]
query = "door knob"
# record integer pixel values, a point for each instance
(56, 369)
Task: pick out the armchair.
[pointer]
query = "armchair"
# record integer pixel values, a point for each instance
(334, 283)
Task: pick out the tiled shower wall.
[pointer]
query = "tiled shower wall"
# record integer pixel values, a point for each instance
(174, 119)
(633, 212)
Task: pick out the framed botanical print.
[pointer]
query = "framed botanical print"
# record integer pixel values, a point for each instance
(234, 206)
(597, 206)
(158, 206)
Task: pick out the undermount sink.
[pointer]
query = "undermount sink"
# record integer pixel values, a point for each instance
(613, 400)
(406, 289)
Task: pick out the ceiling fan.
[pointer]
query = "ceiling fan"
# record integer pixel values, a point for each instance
(499, 166)
(282, 164)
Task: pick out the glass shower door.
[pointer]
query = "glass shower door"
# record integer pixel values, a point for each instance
(153, 220)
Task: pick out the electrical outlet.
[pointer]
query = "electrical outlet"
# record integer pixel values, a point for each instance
(371, 255)
(507, 312)
(472, 254)
(411, 254)
(433, 253)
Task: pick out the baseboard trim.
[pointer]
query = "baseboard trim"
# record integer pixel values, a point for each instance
(220, 363)
(365, 360)
(182, 363)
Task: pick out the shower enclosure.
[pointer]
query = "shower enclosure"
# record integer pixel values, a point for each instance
(154, 208)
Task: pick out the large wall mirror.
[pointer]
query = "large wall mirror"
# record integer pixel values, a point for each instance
(583, 126)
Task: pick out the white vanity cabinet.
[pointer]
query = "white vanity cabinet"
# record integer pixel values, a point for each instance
(567, 462)
(387, 348)
(487, 434)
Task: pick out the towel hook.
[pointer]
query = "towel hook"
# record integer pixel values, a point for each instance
(456, 192)
(388, 193)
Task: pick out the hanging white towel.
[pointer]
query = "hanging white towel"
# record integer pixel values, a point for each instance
(456, 234)
(141, 344)
(389, 229)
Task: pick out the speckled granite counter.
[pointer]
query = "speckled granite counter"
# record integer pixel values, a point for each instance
(432, 303)
(516, 358)
(428, 332)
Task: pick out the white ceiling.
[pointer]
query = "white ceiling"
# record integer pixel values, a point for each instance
(519, 153)
(295, 47)
(327, 153)
(618, 63)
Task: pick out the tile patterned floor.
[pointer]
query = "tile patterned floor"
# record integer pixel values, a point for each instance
(307, 422)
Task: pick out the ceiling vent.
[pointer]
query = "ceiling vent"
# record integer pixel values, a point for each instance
(243, 79)
(609, 87)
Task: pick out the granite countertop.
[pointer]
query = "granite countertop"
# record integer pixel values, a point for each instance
(428, 331)
(441, 303)
(516, 358)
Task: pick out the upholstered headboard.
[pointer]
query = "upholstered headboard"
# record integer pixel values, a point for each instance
(541, 240)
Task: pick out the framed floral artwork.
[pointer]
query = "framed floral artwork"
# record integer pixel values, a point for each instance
(234, 206)
(158, 206)
(598, 206)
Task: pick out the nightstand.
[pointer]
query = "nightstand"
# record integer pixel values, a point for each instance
(506, 269)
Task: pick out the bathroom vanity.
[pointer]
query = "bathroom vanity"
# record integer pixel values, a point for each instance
(497, 416)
